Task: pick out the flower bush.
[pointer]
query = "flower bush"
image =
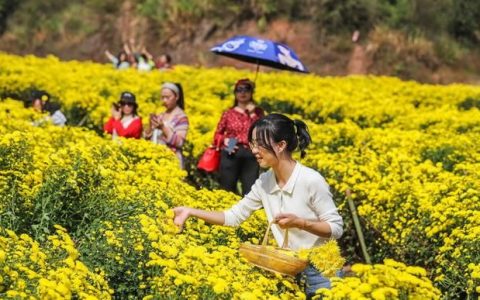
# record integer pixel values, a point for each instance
(391, 280)
(409, 153)
(50, 272)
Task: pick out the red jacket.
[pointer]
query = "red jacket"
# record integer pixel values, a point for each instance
(236, 124)
(134, 129)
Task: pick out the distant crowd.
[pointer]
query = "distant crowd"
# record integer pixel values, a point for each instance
(139, 58)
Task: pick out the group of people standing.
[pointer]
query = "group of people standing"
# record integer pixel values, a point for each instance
(140, 59)
(170, 128)
(295, 197)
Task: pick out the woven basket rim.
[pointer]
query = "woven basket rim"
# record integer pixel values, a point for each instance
(276, 251)
(273, 260)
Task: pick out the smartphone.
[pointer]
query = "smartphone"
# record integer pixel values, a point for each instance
(232, 142)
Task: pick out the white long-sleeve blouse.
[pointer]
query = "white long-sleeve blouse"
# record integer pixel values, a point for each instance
(306, 194)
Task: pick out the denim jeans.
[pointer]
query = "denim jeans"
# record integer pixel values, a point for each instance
(311, 280)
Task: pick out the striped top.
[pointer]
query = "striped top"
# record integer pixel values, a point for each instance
(178, 124)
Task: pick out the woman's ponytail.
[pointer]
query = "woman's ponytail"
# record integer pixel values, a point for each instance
(276, 128)
(303, 136)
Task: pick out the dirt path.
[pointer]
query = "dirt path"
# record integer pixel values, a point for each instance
(358, 61)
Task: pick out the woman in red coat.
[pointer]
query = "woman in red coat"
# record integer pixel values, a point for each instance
(124, 120)
(237, 163)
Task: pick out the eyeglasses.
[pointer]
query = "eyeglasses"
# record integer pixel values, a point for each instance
(245, 89)
(126, 104)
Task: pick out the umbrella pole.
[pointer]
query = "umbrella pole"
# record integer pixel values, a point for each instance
(256, 73)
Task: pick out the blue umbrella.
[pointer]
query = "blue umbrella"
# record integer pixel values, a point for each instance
(261, 52)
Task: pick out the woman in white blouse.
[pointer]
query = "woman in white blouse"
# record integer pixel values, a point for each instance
(293, 196)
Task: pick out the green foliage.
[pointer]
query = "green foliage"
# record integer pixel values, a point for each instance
(125, 267)
(72, 196)
(458, 19)
(435, 18)
(465, 24)
(7, 8)
(346, 15)
(445, 155)
(469, 103)
(397, 13)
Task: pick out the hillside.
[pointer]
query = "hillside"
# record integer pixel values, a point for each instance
(410, 40)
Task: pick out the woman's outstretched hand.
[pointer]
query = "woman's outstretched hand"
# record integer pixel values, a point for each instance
(287, 220)
(181, 215)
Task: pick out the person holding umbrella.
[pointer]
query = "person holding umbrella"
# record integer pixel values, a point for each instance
(237, 161)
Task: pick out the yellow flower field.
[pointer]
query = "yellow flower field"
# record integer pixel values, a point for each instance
(410, 153)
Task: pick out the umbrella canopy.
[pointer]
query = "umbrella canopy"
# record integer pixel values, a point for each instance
(261, 52)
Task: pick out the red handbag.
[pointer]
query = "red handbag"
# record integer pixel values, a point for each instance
(210, 160)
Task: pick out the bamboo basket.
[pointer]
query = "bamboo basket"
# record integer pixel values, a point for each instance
(274, 260)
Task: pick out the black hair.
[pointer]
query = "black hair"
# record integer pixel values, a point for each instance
(276, 128)
(47, 104)
(51, 107)
(168, 57)
(181, 99)
(128, 97)
(119, 60)
(134, 111)
(39, 94)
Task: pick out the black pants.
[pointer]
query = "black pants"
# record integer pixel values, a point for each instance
(240, 165)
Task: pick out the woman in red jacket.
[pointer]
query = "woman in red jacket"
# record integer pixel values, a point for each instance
(124, 120)
(237, 163)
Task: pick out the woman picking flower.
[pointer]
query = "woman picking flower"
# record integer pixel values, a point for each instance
(293, 196)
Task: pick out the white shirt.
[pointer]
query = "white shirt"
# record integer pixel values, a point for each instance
(58, 118)
(306, 194)
(127, 120)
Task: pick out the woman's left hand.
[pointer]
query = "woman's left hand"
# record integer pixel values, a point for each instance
(287, 220)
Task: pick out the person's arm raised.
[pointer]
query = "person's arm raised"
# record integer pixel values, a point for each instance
(183, 213)
(110, 56)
